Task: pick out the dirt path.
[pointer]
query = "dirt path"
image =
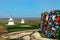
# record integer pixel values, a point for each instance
(1, 38)
(3, 31)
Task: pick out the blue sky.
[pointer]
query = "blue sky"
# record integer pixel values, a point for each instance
(26, 8)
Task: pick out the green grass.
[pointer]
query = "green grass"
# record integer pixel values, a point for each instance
(18, 28)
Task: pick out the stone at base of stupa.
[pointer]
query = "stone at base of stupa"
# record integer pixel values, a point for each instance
(22, 22)
(11, 23)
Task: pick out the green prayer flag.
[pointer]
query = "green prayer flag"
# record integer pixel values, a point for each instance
(58, 14)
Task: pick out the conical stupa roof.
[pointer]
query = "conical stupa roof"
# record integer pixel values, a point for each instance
(11, 19)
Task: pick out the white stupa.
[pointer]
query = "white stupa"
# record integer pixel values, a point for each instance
(22, 21)
(11, 21)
